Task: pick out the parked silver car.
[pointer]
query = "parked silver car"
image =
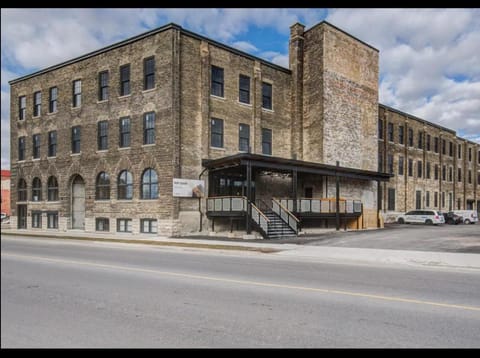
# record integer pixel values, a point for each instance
(429, 217)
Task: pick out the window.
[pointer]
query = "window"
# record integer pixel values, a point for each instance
(124, 132)
(244, 137)
(124, 225)
(443, 199)
(148, 226)
(428, 170)
(428, 142)
(149, 188)
(427, 199)
(459, 150)
(77, 93)
(76, 134)
(450, 174)
(102, 187)
(266, 95)
(52, 189)
(102, 135)
(459, 203)
(436, 172)
(435, 199)
(444, 146)
(469, 154)
(125, 80)
(36, 146)
(420, 140)
(216, 133)
(149, 73)
(217, 81)
(400, 165)
(469, 177)
(410, 137)
(380, 128)
(52, 100)
(435, 144)
(52, 220)
(149, 128)
(391, 199)
(36, 219)
(419, 169)
(459, 172)
(36, 189)
(400, 134)
(418, 200)
(390, 163)
(103, 86)
(102, 224)
(450, 149)
(22, 190)
(266, 141)
(52, 143)
(244, 89)
(450, 201)
(390, 132)
(21, 148)
(37, 103)
(22, 107)
(125, 185)
(444, 172)
(380, 162)
(410, 167)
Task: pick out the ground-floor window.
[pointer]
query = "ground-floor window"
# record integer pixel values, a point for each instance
(148, 226)
(102, 224)
(22, 216)
(427, 199)
(391, 199)
(36, 219)
(52, 220)
(124, 225)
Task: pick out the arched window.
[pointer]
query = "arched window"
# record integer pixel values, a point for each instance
(149, 184)
(36, 189)
(102, 187)
(125, 185)
(52, 189)
(22, 190)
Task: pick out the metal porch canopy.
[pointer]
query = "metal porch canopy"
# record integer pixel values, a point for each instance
(300, 166)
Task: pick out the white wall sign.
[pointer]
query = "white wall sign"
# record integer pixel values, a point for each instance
(188, 188)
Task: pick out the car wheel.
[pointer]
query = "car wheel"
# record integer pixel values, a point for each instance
(401, 221)
(451, 222)
(428, 222)
(467, 221)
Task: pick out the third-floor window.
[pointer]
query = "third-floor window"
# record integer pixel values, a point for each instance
(37, 103)
(125, 80)
(76, 134)
(77, 93)
(53, 98)
(266, 95)
(103, 86)
(217, 81)
(244, 89)
(149, 73)
(22, 107)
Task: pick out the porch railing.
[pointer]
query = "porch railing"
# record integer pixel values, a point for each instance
(260, 219)
(323, 206)
(227, 203)
(285, 215)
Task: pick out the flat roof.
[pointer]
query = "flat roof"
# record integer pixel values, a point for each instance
(283, 164)
(142, 36)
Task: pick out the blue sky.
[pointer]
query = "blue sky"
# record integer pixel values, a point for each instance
(429, 59)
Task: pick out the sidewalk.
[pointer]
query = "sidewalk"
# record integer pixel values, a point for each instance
(328, 254)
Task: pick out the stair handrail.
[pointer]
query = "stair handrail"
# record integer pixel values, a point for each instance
(259, 218)
(291, 219)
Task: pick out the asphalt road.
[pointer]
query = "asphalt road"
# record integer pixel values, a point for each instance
(88, 294)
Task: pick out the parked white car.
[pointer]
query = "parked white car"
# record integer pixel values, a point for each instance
(469, 216)
(429, 217)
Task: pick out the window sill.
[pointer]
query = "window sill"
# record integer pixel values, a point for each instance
(102, 101)
(52, 113)
(146, 200)
(101, 200)
(35, 159)
(219, 148)
(149, 90)
(148, 145)
(268, 110)
(52, 157)
(249, 105)
(101, 151)
(75, 154)
(37, 117)
(125, 96)
(76, 108)
(217, 97)
(124, 148)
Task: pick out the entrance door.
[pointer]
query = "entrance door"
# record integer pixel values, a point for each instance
(78, 203)
(22, 216)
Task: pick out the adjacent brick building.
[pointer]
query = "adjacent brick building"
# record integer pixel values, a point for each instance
(5, 195)
(97, 141)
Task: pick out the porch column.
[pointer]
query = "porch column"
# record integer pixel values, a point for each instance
(337, 199)
(249, 196)
(294, 189)
(379, 202)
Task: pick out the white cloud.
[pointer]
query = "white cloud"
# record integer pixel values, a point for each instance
(245, 46)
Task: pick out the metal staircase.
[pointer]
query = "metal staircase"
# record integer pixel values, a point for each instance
(277, 228)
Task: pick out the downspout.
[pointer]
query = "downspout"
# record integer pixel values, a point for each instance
(200, 203)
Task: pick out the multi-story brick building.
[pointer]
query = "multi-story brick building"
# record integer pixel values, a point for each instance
(98, 142)
(5, 195)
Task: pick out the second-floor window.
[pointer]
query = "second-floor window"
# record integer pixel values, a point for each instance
(390, 163)
(149, 128)
(52, 101)
(380, 128)
(243, 137)
(400, 165)
(420, 140)
(400, 134)
(149, 73)
(36, 146)
(217, 81)
(77, 93)
(244, 89)
(22, 107)
(266, 95)
(428, 170)
(410, 167)
(216, 133)
(428, 142)
(102, 135)
(124, 132)
(435, 144)
(52, 143)
(266, 141)
(410, 137)
(37, 103)
(103, 86)
(469, 154)
(21, 148)
(76, 134)
(390, 132)
(419, 169)
(125, 80)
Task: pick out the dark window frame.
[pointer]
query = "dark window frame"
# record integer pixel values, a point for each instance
(244, 89)
(401, 165)
(125, 89)
(52, 220)
(102, 224)
(380, 128)
(53, 99)
(267, 95)
(76, 93)
(52, 188)
(151, 229)
(390, 163)
(102, 135)
(124, 135)
(125, 185)
(419, 169)
(217, 81)
(36, 219)
(149, 73)
(76, 137)
(243, 137)
(410, 137)
(21, 148)
(22, 107)
(401, 135)
(390, 132)
(103, 85)
(123, 225)
(22, 191)
(216, 133)
(37, 104)
(149, 128)
(102, 186)
(267, 136)
(36, 189)
(391, 199)
(150, 181)
(52, 144)
(36, 145)
(410, 167)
